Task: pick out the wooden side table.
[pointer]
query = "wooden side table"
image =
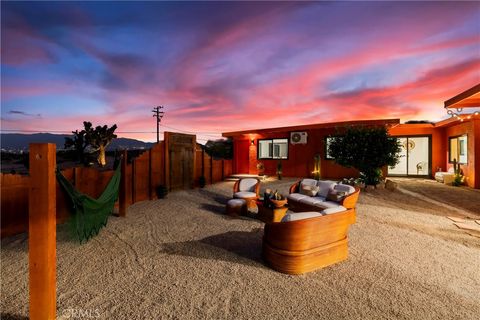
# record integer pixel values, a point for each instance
(270, 215)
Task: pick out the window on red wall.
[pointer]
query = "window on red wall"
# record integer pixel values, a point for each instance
(272, 149)
(458, 149)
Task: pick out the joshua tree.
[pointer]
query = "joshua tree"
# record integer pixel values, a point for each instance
(99, 138)
(79, 143)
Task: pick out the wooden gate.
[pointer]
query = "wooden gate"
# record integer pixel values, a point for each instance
(180, 163)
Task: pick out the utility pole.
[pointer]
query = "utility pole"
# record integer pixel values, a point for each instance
(159, 114)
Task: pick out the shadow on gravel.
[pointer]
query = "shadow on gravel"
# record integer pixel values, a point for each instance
(9, 316)
(222, 199)
(233, 246)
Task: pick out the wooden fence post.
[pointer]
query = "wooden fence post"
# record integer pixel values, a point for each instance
(150, 194)
(211, 169)
(122, 199)
(134, 190)
(223, 169)
(203, 163)
(42, 231)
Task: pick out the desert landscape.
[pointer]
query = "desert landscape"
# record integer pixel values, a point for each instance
(181, 257)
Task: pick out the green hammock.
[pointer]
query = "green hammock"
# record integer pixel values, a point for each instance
(90, 215)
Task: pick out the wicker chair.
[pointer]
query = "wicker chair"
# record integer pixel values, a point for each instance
(247, 189)
(301, 246)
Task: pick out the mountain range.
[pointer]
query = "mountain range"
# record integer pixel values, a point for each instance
(19, 142)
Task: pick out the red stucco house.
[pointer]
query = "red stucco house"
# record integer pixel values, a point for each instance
(427, 147)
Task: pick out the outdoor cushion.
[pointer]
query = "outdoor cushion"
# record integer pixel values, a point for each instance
(445, 177)
(236, 202)
(327, 204)
(308, 182)
(244, 194)
(345, 188)
(308, 190)
(318, 199)
(337, 196)
(309, 200)
(325, 185)
(296, 196)
(247, 184)
(334, 210)
(294, 216)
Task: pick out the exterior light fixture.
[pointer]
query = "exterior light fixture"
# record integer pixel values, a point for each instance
(252, 142)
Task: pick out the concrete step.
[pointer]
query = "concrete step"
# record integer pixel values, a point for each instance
(235, 177)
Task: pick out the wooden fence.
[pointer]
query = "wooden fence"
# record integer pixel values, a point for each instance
(140, 179)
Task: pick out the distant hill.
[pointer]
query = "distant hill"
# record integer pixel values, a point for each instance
(19, 142)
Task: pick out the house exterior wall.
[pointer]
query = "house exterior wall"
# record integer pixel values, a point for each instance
(300, 160)
(477, 153)
(437, 140)
(472, 130)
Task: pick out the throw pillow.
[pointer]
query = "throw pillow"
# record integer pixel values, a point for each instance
(310, 191)
(336, 196)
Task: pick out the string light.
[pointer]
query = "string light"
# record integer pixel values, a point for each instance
(457, 115)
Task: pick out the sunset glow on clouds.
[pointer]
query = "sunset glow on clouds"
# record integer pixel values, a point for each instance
(220, 67)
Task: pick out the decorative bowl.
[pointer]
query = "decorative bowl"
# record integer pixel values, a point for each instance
(279, 203)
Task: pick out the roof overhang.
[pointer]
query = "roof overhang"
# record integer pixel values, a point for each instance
(385, 122)
(467, 99)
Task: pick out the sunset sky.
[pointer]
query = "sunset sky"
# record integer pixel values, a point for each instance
(220, 67)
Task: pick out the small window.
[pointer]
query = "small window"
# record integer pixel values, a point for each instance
(458, 149)
(273, 149)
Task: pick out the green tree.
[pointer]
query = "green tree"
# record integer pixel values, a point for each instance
(222, 149)
(367, 149)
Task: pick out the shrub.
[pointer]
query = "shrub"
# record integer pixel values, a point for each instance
(366, 149)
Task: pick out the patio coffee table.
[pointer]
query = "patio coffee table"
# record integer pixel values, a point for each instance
(268, 214)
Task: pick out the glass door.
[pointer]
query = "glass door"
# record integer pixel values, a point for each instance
(414, 157)
(401, 168)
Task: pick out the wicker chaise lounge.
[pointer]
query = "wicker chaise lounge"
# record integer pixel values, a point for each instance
(307, 241)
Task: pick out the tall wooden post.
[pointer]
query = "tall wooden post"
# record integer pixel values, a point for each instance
(42, 231)
(122, 198)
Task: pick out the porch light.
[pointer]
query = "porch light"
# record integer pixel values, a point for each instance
(252, 142)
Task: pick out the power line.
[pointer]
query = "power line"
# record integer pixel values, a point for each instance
(131, 132)
(205, 134)
(65, 131)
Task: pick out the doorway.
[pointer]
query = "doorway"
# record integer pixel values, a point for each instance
(415, 157)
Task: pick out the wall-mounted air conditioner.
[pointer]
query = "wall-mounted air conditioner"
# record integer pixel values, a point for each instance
(298, 138)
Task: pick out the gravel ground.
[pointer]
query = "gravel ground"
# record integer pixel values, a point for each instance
(182, 258)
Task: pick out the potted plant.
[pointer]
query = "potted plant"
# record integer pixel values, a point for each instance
(275, 199)
(279, 169)
(202, 181)
(261, 168)
(458, 178)
(162, 191)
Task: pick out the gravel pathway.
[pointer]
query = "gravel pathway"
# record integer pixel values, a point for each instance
(182, 258)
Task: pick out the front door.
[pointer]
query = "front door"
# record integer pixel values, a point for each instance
(241, 154)
(415, 157)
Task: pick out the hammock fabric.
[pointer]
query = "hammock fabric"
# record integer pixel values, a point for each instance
(90, 215)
